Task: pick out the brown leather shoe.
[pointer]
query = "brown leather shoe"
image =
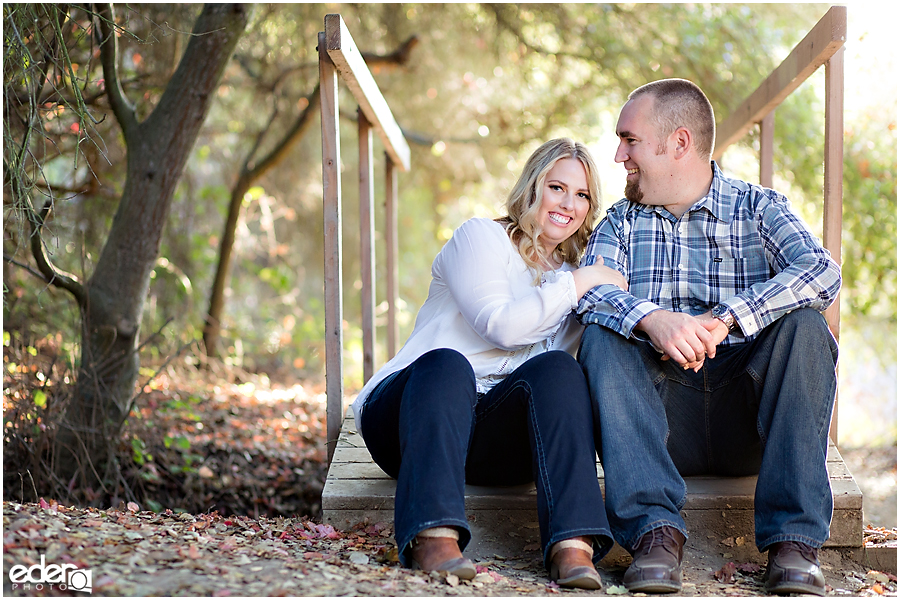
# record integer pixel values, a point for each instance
(794, 569)
(656, 566)
(571, 565)
(441, 554)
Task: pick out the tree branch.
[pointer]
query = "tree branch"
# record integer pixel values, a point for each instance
(46, 271)
(296, 131)
(397, 58)
(51, 274)
(121, 107)
(504, 23)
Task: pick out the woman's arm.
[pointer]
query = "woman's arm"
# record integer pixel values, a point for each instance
(597, 274)
(477, 265)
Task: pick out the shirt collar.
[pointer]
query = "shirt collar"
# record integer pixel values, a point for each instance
(717, 200)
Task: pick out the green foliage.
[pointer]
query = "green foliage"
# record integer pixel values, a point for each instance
(869, 243)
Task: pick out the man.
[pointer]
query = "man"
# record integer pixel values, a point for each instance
(717, 359)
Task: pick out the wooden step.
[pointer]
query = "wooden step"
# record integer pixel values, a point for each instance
(504, 519)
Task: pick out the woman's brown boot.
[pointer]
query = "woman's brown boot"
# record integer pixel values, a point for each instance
(436, 549)
(571, 565)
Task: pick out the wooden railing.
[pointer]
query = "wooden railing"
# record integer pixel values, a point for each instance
(338, 55)
(823, 45)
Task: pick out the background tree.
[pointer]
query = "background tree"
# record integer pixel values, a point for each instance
(111, 301)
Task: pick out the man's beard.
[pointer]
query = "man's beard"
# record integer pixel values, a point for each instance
(633, 191)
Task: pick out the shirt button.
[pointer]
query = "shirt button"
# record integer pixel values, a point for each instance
(681, 267)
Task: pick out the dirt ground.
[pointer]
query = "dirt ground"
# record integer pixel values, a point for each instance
(258, 453)
(875, 471)
(130, 552)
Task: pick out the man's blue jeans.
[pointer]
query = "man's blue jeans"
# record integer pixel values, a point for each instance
(426, 427)
(760, 407)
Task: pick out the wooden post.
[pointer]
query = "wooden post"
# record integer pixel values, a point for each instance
(391, 254)
(834, 178)
(331, 190)
(767, 150)
(367, 243)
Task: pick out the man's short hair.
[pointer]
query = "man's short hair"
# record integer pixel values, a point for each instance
(681, 103)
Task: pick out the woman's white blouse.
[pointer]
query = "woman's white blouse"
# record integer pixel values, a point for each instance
(482, 303)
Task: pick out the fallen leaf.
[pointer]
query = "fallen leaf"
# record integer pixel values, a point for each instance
(726, 573)
(749, 568)
(877, 576)
(616, 590)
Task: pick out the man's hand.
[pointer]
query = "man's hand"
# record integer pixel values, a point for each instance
(686, 339)
(717, 328)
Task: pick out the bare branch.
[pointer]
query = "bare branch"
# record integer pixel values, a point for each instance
(397, 58)
(121, 107)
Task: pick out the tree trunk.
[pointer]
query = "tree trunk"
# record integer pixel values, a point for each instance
(158, 149)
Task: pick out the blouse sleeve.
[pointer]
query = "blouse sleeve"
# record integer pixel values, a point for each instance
(477, 264)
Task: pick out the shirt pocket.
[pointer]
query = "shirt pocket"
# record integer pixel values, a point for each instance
(732, 275)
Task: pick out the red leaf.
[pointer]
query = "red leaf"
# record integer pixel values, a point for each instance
(749, 568)
(726, 573)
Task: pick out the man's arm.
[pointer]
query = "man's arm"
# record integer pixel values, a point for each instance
(609, 305)
(805, 274)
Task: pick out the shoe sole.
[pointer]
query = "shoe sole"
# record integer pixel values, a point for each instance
(795, 588)
(583, 582)
(461, 567)
(654, 587)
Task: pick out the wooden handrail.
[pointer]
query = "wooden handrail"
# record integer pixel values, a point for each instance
(812, 52)
(352, 67)
(338, 55)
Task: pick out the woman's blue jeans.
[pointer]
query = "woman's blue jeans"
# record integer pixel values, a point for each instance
(426, 427)
(760, 407)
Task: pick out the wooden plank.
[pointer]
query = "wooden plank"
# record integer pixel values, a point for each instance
(349, 61)
(834, 179)
(767, 150)
(391, 255)
(331, 196)
(367, 243)
(813, 51)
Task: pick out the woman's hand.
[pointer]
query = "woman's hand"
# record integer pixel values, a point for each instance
(597, 274)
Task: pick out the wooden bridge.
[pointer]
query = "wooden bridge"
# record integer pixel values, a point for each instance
(504, 519)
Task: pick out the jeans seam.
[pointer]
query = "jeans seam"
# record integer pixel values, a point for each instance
(539, 451)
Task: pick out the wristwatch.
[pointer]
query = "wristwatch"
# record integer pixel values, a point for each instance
(721, 312)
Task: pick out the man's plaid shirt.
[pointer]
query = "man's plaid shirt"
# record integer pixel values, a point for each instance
(741, 245)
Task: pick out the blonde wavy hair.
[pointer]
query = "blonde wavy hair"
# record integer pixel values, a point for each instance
(524, 204)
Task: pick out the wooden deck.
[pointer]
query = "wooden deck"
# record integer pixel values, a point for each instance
(505, 518)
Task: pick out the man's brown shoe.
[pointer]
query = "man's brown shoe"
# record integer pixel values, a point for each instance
(656, 564)
(794, 569)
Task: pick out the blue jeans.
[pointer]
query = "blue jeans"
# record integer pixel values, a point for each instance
(762, 407)
(426, 427)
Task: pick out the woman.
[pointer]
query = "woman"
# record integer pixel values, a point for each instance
(486, 390)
